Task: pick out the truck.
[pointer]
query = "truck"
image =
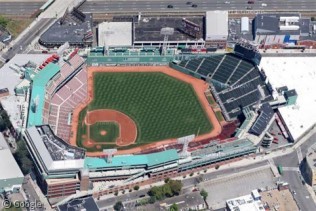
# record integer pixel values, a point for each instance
(280, 169)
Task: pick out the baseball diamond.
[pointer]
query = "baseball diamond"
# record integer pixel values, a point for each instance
(128, 109)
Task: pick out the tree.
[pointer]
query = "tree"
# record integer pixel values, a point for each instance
(23, 157)
(136, 187)
(204, 194)
(167, 180)
(118, 206)
(217, 167)
(157, 192)
(3, 21)
(176, 186)
(2, 125)
(152, 200)
(166, 189)
(174, 207)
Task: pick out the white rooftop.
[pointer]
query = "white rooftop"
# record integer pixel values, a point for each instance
(216, 25)
(115, 34)
(8, 167)
(245, 203)
(297, 73)
(9, 78)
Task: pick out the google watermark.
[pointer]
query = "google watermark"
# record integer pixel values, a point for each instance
(22, 204)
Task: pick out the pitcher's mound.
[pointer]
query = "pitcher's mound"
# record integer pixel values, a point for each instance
(103, 132)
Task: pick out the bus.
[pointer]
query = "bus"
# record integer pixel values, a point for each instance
(280, 169)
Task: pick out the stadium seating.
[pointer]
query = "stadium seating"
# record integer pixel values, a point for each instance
(234, 80)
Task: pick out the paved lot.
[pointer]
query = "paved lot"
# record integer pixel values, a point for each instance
(220, 190)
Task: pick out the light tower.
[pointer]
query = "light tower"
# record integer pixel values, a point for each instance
(185, 141)
(167, 31)
(109, 153)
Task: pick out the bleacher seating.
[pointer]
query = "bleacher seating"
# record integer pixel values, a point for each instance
(235, 81)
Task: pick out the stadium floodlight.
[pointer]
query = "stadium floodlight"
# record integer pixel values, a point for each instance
(109, 153)
(185, 141)
(166, 31)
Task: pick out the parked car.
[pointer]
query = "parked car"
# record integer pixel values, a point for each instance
(170, 6)
(194, 5)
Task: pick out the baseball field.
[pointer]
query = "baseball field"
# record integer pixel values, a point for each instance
(129, 109)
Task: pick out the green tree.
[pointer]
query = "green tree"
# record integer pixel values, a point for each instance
(136, 187)
(176, 186)
(174, 207)
(2, 125)
(118, 206)
(152, 200)
(204, 194)
(157, 192)
(4, 21)
(167, 180)
(217, 167)
(23, 157)
(166, 189)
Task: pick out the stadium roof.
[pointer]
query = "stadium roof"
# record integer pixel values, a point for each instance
(283, 71)
(115, 34)
(51, 152)
(8, 167)
(133, 160)
(38, 93)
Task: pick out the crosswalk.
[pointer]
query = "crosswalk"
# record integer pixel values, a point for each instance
(299, 154)
(291, 169)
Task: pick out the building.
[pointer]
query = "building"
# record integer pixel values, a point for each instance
(311, 165)
(188, 32)
(298, 117)
(263, 121)
(11, 177)
(216, 28)
(56, 163)
(74, 27)
(115, 34)
(79, 204)
(278, 29)
(251, 202)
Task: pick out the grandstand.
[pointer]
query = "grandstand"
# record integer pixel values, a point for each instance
(236, 83)
(56, 91)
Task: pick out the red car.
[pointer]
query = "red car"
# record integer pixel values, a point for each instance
(251, 2)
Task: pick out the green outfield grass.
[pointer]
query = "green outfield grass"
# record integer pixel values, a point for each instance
(161, 106)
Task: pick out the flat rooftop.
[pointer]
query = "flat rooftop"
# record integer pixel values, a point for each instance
(283, 71)
(279, 200)
(71, 30)
(8, 167)
(266, 24)
(148, 29)
(53, 152)
(117, 34)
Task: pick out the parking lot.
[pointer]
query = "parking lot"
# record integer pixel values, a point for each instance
(222, 189)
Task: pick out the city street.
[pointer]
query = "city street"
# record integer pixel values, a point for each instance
(19, 8)
(98, 6)
(21, 45)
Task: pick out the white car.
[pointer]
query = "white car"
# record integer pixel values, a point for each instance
(264, 5)
(227, 2)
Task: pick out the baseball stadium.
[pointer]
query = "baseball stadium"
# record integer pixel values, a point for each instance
(139, 120)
